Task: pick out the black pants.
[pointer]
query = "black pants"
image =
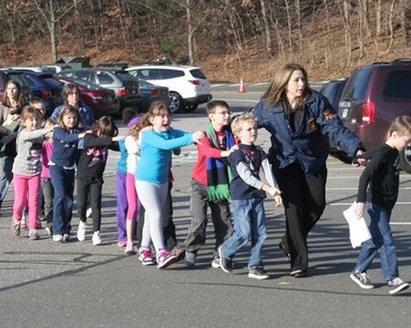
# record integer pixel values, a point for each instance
(304, 203)
(90, 187)
(169, 229)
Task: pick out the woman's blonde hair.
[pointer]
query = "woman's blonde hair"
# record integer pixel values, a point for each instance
(277, 89)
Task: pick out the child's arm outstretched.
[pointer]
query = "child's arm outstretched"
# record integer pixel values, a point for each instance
(272, 187)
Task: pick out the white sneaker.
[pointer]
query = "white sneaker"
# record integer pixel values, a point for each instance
(89, 212)
(58, 237)
(96, 238)
(81, 232)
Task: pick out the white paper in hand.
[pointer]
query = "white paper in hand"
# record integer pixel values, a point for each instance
(358, 227)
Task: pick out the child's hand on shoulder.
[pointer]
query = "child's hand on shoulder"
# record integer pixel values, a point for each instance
(118, 138)
(198, 135)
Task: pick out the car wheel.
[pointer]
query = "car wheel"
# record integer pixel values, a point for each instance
(405, 159)
(191, 108)
(176, 102)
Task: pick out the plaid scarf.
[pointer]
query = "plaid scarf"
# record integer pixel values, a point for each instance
(218, 172)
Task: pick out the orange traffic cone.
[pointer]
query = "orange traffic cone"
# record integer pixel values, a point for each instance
(241, 88)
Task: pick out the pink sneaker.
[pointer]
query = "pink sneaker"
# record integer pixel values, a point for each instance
(165, 259)
(146, 257)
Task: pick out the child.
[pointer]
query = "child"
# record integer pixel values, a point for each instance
(90, 171)
(121, 176)
(62, 166)
(131, 145)
(46, 185)
(247, 197)
(26, 170)
(210, 184)
(156, 139)
(381, 176)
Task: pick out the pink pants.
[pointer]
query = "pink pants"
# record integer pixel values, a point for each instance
(132, 198)
(26, 188)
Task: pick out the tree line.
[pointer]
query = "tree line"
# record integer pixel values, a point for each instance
(184, 30)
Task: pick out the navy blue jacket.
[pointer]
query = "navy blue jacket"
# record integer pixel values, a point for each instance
(309, 145)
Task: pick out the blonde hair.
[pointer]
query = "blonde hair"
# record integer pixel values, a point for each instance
(66, 110)
(29, 112)
(238, 121)
(276, 91)
(401, 125)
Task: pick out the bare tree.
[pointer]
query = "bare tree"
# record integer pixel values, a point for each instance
(268, 47)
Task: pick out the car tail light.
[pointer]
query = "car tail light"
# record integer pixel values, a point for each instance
(46, 94)
(154, 93)
(368, 112)
(97, 95)
(122, 92)
(195, 82)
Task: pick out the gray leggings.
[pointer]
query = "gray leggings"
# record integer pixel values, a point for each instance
(152, 196)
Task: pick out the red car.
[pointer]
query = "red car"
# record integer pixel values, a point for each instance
(103, 101)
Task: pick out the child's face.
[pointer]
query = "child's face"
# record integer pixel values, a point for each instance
(401, 142)
(70, 120)
(32, 123)
(161, 122)
(248, 134)
(221, 117)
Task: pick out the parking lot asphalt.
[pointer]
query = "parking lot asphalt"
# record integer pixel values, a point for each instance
(49, 284)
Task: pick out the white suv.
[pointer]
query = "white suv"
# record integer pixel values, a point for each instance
(188, 86)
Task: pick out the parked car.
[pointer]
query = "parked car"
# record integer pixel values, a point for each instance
(188, 86)
(103, 101)
(333, 90)
(149, 93)
(124, 85)
(18, 76)
(373, 97)
(39, 85)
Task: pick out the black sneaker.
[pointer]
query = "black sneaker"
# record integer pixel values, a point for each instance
(225, 264)
(396, 285)
(258, 273)
(362, 279)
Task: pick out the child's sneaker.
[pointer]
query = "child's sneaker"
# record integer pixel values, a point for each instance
(190, 260)
(33, 234)
(225, 264)
(96, 238)
(146, 257)
(396, 285)
(122, 243)
(258, 273)
(49, 229)
(15, 227)
(362, 279)
(165, 259)
(58, 237)
(215, 263)
(178, 252)
(38, 224)
(23, 224)
(130, 250)
(66, 238)
(81, 231)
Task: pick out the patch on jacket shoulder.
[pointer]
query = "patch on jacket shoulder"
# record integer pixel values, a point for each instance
(312, 125)
(328, 116)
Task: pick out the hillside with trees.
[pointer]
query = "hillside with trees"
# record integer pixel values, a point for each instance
(228, 39)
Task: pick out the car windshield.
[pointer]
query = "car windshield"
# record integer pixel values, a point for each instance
(145, 84)
(197, 73)
(357, 85)
(125, 76)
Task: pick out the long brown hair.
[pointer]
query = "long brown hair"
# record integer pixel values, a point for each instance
(105, 127)
(66, 110)
(276, 91)
(156, 108)
(6, 99)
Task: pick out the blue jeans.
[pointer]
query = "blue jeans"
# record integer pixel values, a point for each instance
(249, 223)
(381, 241)
(63, 185)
